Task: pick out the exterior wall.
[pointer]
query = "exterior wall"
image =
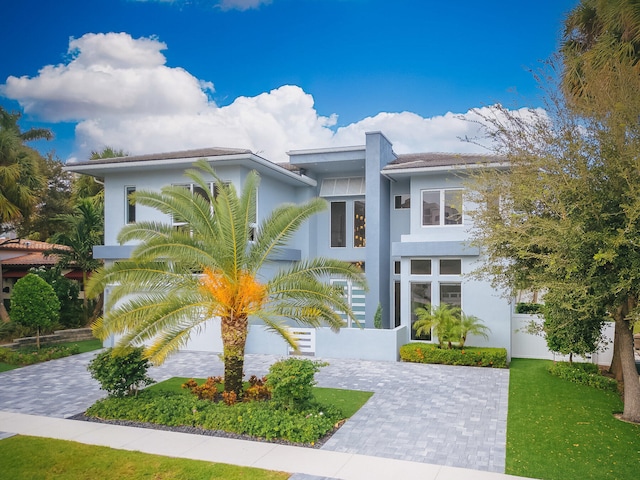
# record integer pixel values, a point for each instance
(526, 345)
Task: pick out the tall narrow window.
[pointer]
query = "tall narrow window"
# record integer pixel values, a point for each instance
(338, 224)
(453, 207)
(420, 297)
(396, 303)
(130, 209)
(431, 207)
(358, 224)
(451, 294)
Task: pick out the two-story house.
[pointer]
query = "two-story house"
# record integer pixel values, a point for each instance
(401, 218)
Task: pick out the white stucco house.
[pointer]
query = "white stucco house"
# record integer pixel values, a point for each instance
(402, 218)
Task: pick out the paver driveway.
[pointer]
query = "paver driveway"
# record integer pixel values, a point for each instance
(436, 414)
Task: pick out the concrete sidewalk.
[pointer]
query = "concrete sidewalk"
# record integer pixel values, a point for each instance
(307, 463)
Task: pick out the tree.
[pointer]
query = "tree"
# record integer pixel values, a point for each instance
(471, 325)
(54, 200)
(86, 186)
(85, 229)
(564, 217)
(68, 293)
(215, 271)
(442, 320)
(34, 304)
(20, 176)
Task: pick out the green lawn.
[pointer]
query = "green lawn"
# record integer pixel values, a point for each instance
(25, 458)
(561, 430)
(85, 346)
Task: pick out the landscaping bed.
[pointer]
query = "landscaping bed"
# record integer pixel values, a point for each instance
(467, 356)
(15, 358)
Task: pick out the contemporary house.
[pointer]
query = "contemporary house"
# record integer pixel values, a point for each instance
(402, 218)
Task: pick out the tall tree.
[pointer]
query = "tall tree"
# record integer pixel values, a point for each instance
(54, 201)
(84, 230)
(565, 215)
(172, 302)
(20, 178)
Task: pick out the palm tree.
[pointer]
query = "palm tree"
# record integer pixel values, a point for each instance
(442, 320)
(84, 230)
(471, 325)
(20, 176)
(212, 268)
(599, 39)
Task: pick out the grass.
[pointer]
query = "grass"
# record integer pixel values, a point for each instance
(27, 457)
(560, 430)
(85, 346)
(348, 401)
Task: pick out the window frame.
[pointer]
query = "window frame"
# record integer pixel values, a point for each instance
(442, 207)
(129, 208)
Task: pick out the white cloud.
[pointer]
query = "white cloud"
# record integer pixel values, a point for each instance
(109, 74)
(242, 4)
(122, 94)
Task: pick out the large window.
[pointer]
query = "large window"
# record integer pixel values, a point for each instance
(420, 297)
(130, 208)
(359, 239)
(338, 224)
(442, 207)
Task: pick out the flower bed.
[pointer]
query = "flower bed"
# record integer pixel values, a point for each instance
(468, 356)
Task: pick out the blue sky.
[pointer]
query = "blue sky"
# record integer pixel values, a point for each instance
(158, 75)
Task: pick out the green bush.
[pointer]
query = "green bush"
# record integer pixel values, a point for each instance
(34, 303)
(583, 374)
(258, 419)
(529, 308)
(27, 356)
(291, 382)
(121, 372)
(469, 356)
(68, 292)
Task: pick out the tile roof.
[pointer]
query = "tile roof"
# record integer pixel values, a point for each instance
(195, 153)
(426, 160)
(31, 259)
(28, 245)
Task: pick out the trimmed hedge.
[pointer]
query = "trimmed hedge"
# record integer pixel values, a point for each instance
(583, 374)
(468, 356)
(29, 356)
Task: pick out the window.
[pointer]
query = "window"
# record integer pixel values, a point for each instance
(180, 223)
(359, 239)
(420, 297)
(402, 201)
(340, 187)
(338, 224)
(451, 294)
(396, 303)
(130, 210)
(442, 207)
(355, 297)
(450, 267)
(396, 267)
(420, 267)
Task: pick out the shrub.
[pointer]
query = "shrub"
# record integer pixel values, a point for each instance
(209, 390)
(258, 419)
(291, 382)
(469, 356)
(257, 390)
(583, 374)
(34, 303)
(121, 372)
(67, 292)
(528, 308)
(26, 356)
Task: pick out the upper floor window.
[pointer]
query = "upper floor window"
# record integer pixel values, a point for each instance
(402, 201)
(442, 207)
(359, 239)
(338, 224)
(130, 207)
(450, 266)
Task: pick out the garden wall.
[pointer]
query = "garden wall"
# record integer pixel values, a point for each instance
(525, 345)
(58, 336)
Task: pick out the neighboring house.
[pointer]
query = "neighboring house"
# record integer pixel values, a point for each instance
(18, 256)
(402, 218)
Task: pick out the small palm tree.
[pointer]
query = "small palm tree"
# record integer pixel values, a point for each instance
(471, 325)
(442, 320)
(177, 279)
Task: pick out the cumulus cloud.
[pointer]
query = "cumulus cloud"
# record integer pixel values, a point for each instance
(109, 74)
(122, 94)
(242, 4)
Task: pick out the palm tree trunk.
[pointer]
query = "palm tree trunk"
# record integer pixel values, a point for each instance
(234, 338)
